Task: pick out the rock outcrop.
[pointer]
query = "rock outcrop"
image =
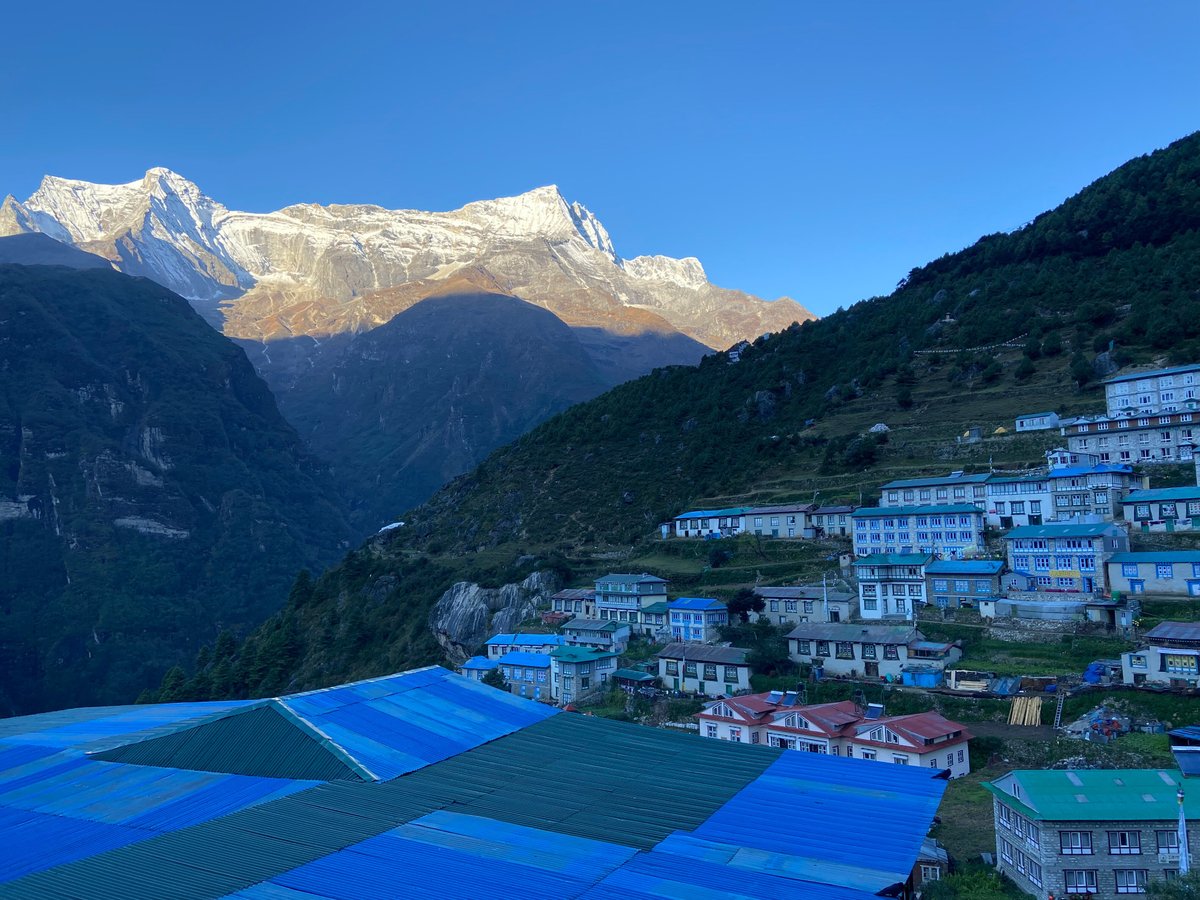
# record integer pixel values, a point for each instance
(467, 614)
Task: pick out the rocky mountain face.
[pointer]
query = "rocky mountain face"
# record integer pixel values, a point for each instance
(425, 393)
(467, 614)
(150, 491)
(295, 287)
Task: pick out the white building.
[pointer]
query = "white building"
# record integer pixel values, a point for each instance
(891, 585)
(957, 487)
(1040, 421)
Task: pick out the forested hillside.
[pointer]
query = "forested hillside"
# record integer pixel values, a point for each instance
(1015, 323)
(150, 492)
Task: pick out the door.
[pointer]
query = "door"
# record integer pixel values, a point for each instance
(835, 615)
(1089, 584)
(1137, 586)
(1194, 588)
(872, 669)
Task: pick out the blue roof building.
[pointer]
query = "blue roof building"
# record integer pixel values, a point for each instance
(529, 642)
(696, 618)
(526, 674)
(428, 785)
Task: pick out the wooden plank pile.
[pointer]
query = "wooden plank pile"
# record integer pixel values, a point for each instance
(1025, 711)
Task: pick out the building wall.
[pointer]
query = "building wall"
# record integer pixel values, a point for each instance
(1151, 578)
(1047, 853)
(943, 756)
(722, 730)
(778, 525)
(1073, 559)
(1161, 665)
(1163, 438)
(950, 535)
(951, 491)
(784, 611)
(1163, 515)
(694, 678)
(1012, 504)
(955, 591)
(717, 526)
(853, 663)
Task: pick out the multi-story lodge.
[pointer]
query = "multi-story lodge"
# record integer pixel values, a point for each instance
(831, 521)
(703, 669)
(1071, 484)
(891, 585)
(634, 599)
(954, 530)
(1067, 557)
(579, 602)
(1170, 657)
(696, 618)
(578, 672)
(1150, 417)
(956, 487)
(1100, 832)
(839, 729)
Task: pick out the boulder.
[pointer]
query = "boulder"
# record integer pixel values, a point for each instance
(467, 615)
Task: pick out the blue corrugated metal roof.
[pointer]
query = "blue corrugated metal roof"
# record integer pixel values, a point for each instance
(529, 660)
(479, 662)
(775, 811)
(1191, 492)
(702, 603)
(526, 640)
(1062, 529)
(517, 817)
(965, 567)
(710, 513)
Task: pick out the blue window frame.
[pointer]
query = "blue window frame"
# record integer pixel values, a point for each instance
(1129, 570)
(1164, 571)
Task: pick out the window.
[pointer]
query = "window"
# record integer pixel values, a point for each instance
(1079, 881)
(960, 756)
(930, 873)
(1124, 842)
(891, 651)
(710, 730)
(774, 606)
(1163, 570)
(689, 670)
(822, 648)
(1168, 842)
(731, 674)
(735, 734)
(900, 759)
(1075, 842)
(1006, 850)
(1130, 881)
(1137, 661)
(710, 671)
(868, 651)
(845, 650)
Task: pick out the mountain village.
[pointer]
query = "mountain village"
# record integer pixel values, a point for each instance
(1073, 546)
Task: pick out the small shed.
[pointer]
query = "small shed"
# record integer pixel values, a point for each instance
(632, 678)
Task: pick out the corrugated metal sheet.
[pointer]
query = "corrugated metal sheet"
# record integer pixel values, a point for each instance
(814, 808)
(259, 740)
(486, 858)
(100, 725)
(559, 808)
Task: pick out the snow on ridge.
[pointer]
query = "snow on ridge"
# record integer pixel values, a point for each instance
(686, 272)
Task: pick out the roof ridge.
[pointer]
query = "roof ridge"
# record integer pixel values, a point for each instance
(352, 762)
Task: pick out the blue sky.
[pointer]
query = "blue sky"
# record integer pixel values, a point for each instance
(818, 151)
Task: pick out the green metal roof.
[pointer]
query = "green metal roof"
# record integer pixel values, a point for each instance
(580, 654)
(875, 512)
(934, 481)
(1127, 795)
(260, 740)
(1191, 492)
(1062, 529)
(627, 791)
(632, 675)
(894, 559)
(662, 606)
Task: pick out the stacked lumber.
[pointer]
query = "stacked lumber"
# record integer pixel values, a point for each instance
(1025, 711)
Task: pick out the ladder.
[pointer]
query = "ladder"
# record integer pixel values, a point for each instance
(1062, 698)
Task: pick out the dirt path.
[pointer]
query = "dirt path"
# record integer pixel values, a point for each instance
(1012, 732)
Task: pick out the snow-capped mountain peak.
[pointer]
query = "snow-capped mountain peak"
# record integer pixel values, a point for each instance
(316, 270)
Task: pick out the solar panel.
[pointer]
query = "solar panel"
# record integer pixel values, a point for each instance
(774, 696)
(789, 699)
(874, 711)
